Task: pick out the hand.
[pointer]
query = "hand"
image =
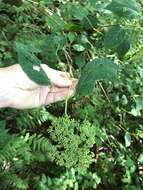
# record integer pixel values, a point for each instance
(18, 91)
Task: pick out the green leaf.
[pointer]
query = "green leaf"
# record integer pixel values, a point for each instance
(140, 159)
(80, 61)
(127, 139)
(140, 133)
(78, 47)
(55, 23)
(51, 46)
(97, 69)
(78, 12)
(31, 65)
(124, 8)
(114, 37)
(139, 103)
(123, 48)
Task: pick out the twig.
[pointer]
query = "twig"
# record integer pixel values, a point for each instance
(103, 90)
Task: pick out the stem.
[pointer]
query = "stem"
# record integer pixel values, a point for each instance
(103, 90)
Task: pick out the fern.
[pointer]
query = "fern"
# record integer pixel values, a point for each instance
(42, 144)
(32, 118)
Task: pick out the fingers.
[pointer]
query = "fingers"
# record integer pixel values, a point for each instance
(21, 80)
(56, 94)
(58, 78)
(65, 75)
(44, 95)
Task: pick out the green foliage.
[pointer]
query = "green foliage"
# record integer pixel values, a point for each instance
(124, 8)
(97, 69)
(114, 37)
(31, 65)
(99, 144)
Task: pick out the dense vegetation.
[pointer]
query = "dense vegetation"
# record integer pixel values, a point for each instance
(95, 139)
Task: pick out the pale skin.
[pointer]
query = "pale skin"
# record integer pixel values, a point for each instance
(18, 91)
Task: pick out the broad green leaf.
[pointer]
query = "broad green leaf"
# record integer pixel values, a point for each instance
(31, 65)
(123, 48)
(124, 8)
(50, 47)
(90, 22)
(115, 36)
(78, 12)
(127, 139)
(97, 69)
(55, 23)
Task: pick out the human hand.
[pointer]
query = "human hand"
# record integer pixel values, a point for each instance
(18, 91)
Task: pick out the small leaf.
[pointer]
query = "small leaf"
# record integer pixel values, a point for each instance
(127, 139)
(124, 100)
(31, 65)
(97, 69)
(78, 47)
(80, 61)
(140, 133)
(140, 159)
(71, 36)
(139, 103)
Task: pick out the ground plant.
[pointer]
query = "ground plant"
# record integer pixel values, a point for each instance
(93, 140)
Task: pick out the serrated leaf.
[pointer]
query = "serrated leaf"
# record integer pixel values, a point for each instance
(114, 37)
(127, 139)
(124, 8)
(97, 69)
(31, 65)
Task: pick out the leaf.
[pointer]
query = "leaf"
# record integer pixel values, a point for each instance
(127, 139)
(140, 159)
(50, 47)
(123, 48)
(90, 22)
(124, 8)
(114, 37)
(31, 65)
(55, 23)
(139, 103)
(80, 61)
(78, 47)
(78, 12)
(140, 133)
(97, 69)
